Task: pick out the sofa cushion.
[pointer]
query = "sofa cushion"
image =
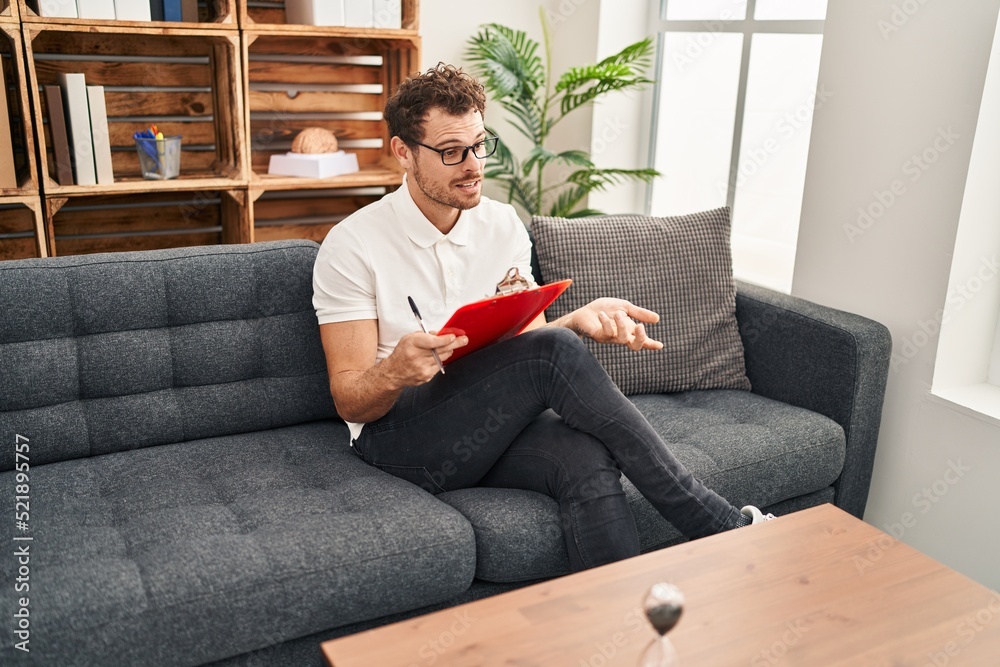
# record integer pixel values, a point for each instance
(750, 449)
(188, 553)
(680, 267)
(518, 534)
(107, 352)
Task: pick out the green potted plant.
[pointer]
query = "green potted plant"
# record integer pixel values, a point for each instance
(517, 78)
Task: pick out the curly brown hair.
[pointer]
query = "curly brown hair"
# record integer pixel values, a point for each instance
(445, 86)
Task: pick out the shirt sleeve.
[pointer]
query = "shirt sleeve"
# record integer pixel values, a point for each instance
(343, 280)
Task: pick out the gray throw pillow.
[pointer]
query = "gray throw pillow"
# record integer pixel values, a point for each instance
(680, 267)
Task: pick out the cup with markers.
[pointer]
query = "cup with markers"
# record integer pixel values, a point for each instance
(159, 156)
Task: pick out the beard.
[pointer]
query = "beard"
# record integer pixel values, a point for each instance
(445, 194)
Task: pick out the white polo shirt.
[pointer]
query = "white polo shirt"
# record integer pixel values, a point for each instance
(376, 257)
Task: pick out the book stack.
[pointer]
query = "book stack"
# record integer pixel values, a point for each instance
(132, 10)
(95, 9)
(58, 8)
(351, 13)
(78, 124)
(178, 10)
(124, 10)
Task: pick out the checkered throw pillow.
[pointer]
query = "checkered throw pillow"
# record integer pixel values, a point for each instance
(679, 267)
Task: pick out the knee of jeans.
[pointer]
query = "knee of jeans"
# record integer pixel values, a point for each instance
(596, 483)
(590, 474)
(559, 341)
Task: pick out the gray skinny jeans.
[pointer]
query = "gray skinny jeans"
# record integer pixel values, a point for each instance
(539, 412)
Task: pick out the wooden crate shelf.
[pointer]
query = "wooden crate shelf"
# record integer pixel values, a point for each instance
(18, 110)
(213, 14)
(296, 81)
(22, 228)
(145, 220)
(187, 82)
(306, 215)
(237, 86)
(8, 12)
(374, 176)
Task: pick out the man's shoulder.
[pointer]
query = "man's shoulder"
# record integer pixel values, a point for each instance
(366, 221)
(497, 214)
(488, 206)
(379, 210)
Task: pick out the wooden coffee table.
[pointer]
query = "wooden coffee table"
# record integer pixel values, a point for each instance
(814, 588)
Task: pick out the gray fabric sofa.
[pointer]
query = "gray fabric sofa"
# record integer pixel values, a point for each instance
(193, 498)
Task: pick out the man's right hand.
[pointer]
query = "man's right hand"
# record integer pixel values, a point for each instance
(363, 389)
(412, 363)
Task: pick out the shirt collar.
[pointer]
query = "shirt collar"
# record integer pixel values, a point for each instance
(419, 229)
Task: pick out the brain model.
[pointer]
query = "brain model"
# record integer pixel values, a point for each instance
(315, 140)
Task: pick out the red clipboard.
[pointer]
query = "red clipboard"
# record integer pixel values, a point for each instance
(498, 318)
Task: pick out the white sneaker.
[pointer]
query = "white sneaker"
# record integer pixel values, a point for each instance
(755, 515)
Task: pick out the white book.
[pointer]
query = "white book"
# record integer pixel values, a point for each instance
(102, 139)
(314, 12)
(388, 14)
(313, 165)
(96, 9)
(81, 142)
(132, 10)
(57, 8)
(359, 13)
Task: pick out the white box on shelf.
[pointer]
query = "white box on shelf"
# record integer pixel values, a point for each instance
(57, 8)
(313, 165)
(388, 14)
(359, 13)
(132, 10)
(96, 9)
(314, 12)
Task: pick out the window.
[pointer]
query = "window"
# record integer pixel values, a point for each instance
(967, 365)
(736, 90)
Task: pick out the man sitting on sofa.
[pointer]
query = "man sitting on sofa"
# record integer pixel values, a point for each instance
(554, 421)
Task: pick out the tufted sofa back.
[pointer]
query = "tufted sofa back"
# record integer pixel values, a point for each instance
(111, 352)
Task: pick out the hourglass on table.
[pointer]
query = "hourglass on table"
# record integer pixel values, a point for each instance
(663, 606)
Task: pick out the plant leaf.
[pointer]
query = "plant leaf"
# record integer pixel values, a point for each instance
(581, 158)
(539, 155)
(504, 167)
(567, 201)
(601, 179)
(509, 67)
(585, 213)
(620, 71)
(502, 158)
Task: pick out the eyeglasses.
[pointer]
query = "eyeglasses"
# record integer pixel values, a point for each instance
(452, 156)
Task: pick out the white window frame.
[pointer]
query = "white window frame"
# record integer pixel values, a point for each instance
(748, 27)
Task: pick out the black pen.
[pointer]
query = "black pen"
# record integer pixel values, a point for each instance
(420, 321)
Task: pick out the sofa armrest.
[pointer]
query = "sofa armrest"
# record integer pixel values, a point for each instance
(825, 360)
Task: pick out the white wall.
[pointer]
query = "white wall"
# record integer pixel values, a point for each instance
(621, 122)
(896, 94)
(445, 25)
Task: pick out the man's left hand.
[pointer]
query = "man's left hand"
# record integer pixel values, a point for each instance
(610, 320)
